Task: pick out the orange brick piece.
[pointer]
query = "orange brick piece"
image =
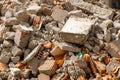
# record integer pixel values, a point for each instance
(3, 66)
(56, 51)
(47, 44)
(59, 60)
(48, 67)
(36, 20)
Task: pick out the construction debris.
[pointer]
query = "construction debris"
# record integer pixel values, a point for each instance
(59, 40)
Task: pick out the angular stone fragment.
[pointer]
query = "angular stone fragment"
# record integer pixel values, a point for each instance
(43, 77)
(21, 38)
(46, 11)
(76, 30)
(7, 43)
(96, 10)
(33, 9)
(5, 55)
(9, 35)
(22, 16)
(48, 67)
(34, 63)
(32, 44)
(69, 47)
(11, 21)
(114, 48)
(77, 13)
(59, 14)
(16, 51)
(68, 6)
(75, 72)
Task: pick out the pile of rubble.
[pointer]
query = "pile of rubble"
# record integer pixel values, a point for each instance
(59, 40)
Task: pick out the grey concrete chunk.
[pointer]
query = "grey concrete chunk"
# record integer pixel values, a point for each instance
(9, 35)
(32, 44)
(16, 51)
(69, 47)
(15, 59)
(96, 10)
(33, 8)
(21, 38)
(22, 16)
(76, 30)
(59, 14)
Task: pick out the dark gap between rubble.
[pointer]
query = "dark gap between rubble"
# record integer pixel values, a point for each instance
(114, 4)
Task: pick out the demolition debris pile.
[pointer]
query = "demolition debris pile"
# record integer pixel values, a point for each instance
(59, 40)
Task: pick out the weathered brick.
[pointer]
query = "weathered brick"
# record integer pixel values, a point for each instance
(36, 20)
(56, 51)
(48, 67)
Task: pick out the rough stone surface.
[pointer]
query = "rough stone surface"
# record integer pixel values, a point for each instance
(22, 16)
(78, 28)
(96, 10)
(56, 51)
(69, 47)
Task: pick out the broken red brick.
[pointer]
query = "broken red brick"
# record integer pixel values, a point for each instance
(48, 67)
(107, 59)
(88, 59)
(56, 51)
(59, 60)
